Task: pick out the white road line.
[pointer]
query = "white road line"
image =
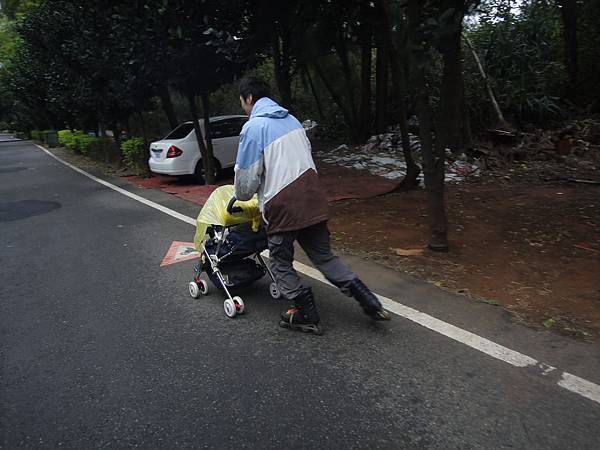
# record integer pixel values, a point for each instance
(580, 386)
(568, 381)
(125, 192)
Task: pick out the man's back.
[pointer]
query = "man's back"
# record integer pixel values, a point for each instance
(275, 158)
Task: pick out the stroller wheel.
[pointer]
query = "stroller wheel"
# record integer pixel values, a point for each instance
(274, 291)
(203, 286)
(229, 307)
(239, 305)
(194, 289)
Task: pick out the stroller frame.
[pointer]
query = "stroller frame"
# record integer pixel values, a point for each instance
(233, 305)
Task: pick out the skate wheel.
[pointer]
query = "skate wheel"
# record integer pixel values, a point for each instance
(194, 289)
(203, 286)
(229, 307)
(274, 291)
(239, 305)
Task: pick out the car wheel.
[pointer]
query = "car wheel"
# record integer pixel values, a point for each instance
(199, 171)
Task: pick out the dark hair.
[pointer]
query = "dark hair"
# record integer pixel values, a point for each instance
(255, 86)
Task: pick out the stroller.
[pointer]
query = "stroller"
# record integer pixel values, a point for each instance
(230, 239)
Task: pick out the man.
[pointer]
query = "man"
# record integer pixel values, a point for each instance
(274, 159)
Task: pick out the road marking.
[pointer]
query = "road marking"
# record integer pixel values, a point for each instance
(179, 252)
(125, 192)
(580, 386)
(567, 381)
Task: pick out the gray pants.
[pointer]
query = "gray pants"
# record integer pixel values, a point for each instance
(314, 240)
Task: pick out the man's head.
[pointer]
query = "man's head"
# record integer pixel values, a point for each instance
(252, 89)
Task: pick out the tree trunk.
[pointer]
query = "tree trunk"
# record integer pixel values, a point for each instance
(351, 110)
(117, 132)
(466, 138)
(448, 126)
(167, 106)
(282, 64)
(199, 138)
(314, 94)
(142, 125)
(433, 158)
(338, 100)
(365, 37)
(209, 162)
(381, 89)
(568, 11)
(501, 122)
(399, 82)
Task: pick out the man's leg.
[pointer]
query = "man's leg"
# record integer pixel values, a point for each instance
(303, 315)
(316, 243)
(281, 258)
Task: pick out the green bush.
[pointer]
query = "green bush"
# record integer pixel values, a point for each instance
(84, 141)
(36, 135)
(76, 141)
(135, 155)
(67, 139)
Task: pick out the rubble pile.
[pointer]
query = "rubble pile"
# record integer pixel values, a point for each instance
(382, 155)
(572, 152)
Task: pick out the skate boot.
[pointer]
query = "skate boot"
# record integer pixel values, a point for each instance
(303, 316)
(369, 303)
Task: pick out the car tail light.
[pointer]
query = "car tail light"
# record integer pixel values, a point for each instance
(174, 152)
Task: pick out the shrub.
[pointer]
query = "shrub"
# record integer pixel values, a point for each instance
(76, 141)
(67, 139)
(36, 135)
(134, 155)
(83, 141)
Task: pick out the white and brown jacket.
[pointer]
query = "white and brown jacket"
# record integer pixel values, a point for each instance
(274, 159)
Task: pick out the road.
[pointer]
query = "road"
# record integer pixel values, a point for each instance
(101, 347)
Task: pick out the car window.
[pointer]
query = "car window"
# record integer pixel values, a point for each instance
(236, 126)
(181, 131)
(218, 129)
(227, 127)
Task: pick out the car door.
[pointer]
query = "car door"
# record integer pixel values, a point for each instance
(231, 139)
(218, 134)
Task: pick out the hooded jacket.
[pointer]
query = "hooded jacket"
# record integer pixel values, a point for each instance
(274, 159)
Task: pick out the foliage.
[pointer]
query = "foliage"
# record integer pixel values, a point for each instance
(522, 56)
(74, 63)
(84, 141)
(66, 139)
(13, 9)
(135, 155)
(76, 141)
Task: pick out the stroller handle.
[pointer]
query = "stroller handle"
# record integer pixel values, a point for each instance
(233, 209)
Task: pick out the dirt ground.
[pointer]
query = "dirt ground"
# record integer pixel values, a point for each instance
(532, 248)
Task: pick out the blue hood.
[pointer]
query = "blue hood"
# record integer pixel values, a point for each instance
(265, 107)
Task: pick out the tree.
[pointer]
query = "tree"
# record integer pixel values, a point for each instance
(569, 15)
(436, 26)
(203, 57)
(392, 24)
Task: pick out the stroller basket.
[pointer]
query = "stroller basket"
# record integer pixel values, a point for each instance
(237, 274)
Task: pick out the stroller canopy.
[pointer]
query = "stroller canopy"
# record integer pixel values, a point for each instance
(214, 212)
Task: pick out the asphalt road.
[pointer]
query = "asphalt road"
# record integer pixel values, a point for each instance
(101, 347)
